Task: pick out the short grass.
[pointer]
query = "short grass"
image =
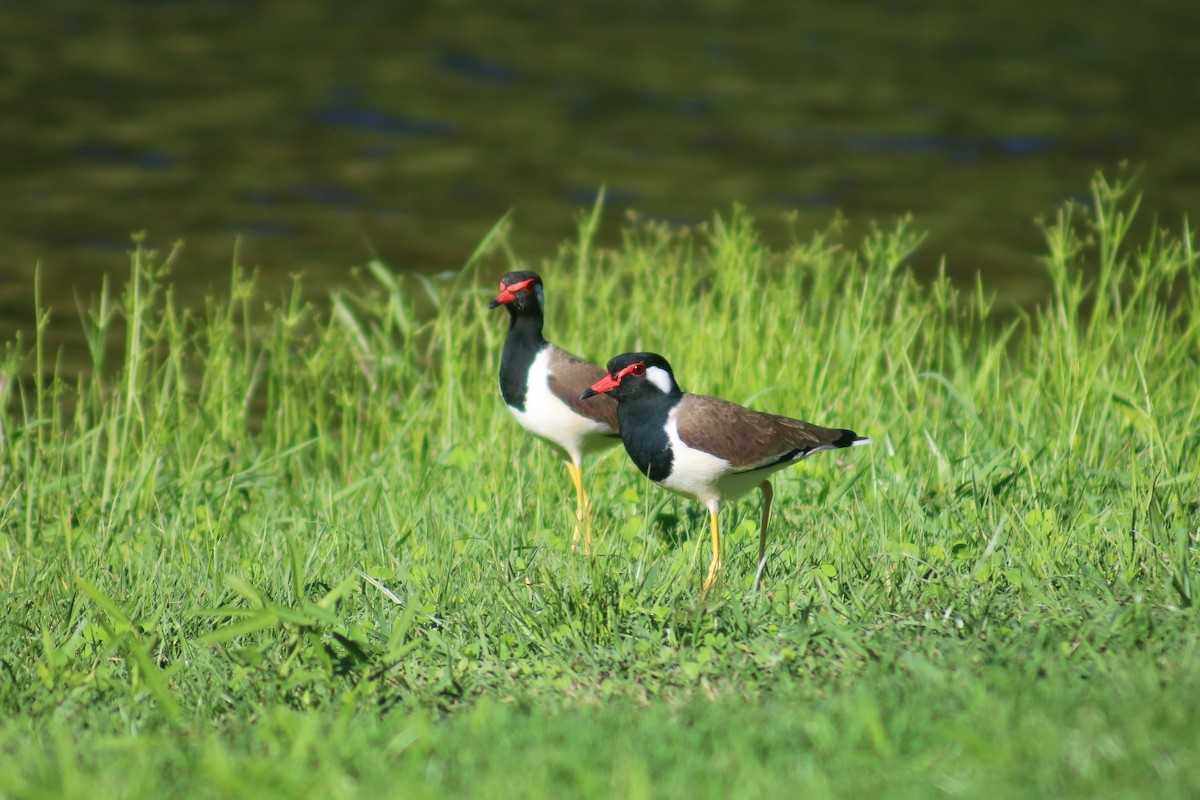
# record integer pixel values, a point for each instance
(296, 550)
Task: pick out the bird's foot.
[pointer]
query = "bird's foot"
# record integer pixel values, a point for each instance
(714, 572)
(582, 531)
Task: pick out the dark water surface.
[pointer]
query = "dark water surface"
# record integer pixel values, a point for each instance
(320, 134)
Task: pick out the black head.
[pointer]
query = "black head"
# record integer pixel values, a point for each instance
(632, 375)
(521, 292)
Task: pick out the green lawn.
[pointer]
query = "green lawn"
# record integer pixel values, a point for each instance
(271, 548)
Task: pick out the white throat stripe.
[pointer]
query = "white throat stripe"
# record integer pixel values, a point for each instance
(660, 378)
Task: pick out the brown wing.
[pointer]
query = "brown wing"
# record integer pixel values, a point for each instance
(570, 375)
(750, 439)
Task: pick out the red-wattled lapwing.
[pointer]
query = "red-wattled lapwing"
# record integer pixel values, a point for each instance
(708, 448)
(542, 384)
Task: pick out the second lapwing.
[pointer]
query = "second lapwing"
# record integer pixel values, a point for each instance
(711, 449)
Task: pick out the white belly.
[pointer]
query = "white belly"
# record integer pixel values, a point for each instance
(552, 419)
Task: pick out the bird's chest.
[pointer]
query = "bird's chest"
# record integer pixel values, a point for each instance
(517, 367)
(544, 414)
(646, 440)
(693, 471)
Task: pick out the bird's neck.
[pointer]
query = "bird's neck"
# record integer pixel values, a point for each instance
(650, 405)
(521, 346)
(643, 421)
(526, 327)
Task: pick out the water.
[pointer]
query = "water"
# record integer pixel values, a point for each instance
(313, 137)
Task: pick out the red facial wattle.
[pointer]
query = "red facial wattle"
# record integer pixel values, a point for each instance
(606, 384)
(509, 293)
(636, 370)
(610, 382)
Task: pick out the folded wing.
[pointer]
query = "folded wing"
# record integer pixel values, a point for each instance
(569, 376)
(751, 440)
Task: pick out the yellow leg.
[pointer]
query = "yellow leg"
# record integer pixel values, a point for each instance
(768, 493)
(583, 508)
(714, 566)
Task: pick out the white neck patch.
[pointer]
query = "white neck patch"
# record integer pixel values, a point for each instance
(660, 378)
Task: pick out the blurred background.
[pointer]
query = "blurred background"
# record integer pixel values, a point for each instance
(311, 137)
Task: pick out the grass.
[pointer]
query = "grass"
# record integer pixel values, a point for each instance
(301, 549)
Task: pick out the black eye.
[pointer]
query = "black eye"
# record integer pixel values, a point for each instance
(639, 370)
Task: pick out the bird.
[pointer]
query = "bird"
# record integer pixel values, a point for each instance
(542, 386)
(711, 449)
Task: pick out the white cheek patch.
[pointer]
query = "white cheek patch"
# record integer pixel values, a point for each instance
(660, 378)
